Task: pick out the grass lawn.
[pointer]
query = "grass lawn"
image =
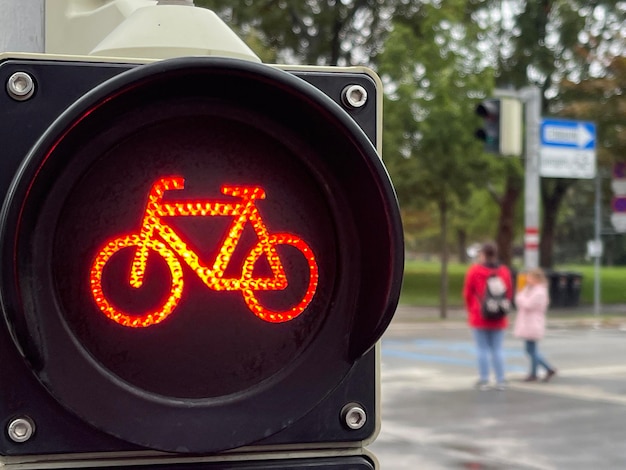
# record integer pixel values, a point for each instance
(612, 283)
(422, 283)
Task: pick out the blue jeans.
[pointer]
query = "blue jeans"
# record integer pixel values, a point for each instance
(489, 345)
(536, 359)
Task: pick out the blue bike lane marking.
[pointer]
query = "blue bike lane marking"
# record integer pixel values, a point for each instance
(459, 353)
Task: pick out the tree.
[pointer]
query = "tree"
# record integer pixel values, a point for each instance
(431, 48)
(434, 75)
(313, 32)
(428, 64)
(550, 44)
(601, 100)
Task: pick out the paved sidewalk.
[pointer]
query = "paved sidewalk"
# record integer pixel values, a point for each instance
(433, 418)
(613, 316)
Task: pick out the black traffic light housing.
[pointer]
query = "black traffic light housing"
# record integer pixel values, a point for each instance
(489, 133)
(85, 153)
(502, 129)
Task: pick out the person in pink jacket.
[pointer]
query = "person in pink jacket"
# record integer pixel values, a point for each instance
(530, 323)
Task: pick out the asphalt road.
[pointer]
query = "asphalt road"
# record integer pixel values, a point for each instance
(432, 418)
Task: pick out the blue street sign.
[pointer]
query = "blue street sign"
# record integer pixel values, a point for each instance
(568, 134)
(568, 149)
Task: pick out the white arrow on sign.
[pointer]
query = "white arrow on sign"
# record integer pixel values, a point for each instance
(578, 136)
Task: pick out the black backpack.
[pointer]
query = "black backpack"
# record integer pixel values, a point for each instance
(495, 304)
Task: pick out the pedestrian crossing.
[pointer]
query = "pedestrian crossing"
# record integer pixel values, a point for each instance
(448, 365)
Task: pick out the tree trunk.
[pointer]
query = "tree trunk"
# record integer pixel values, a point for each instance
(443, 290)
(551, 201)
(506, 223)
(461, 238)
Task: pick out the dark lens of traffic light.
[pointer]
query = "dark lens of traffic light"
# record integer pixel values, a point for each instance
(211, 344)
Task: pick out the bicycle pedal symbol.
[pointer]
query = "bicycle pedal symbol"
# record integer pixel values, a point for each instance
(157, 237)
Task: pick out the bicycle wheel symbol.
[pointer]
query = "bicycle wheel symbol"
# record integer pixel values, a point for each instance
(250, 294)
(128, 319)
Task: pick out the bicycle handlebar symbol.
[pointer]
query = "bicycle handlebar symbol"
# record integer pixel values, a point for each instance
(157, 237)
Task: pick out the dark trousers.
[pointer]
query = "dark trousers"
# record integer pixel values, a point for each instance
(536, 359)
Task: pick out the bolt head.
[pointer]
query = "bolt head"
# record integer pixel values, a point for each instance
(21, 429)
(354, 416)
(20, 86)
(354, 96)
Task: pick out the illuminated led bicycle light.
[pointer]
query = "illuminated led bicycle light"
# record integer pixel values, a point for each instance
(157, 237)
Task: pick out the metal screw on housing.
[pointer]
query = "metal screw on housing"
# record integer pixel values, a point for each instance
(354, 96)
(20, 86)
(354, 416)
(21, 429)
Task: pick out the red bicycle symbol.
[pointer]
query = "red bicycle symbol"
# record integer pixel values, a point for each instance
(155, 235)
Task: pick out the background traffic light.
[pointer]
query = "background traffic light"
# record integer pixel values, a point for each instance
(501, 129)
(489, 133)
(197, 255)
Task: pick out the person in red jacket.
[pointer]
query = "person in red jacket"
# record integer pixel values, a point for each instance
(488, 334)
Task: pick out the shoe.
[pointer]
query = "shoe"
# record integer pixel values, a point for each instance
(482, 385)
(501, 386)
(549, 375)
(530, 378)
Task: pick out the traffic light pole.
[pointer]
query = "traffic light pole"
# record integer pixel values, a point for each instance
(531, 96)
(22, 26)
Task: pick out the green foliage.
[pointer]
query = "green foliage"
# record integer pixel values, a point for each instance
(571, 50)
(313, 32)
(429, 112)
(603, 101)
(433, 82)
(611, 283)
(437, 59)
(477, 216)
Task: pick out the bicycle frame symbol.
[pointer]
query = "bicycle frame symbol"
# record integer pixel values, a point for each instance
(157, 237)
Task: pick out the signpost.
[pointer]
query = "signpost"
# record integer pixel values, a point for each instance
(531, 97)
(568, 149)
